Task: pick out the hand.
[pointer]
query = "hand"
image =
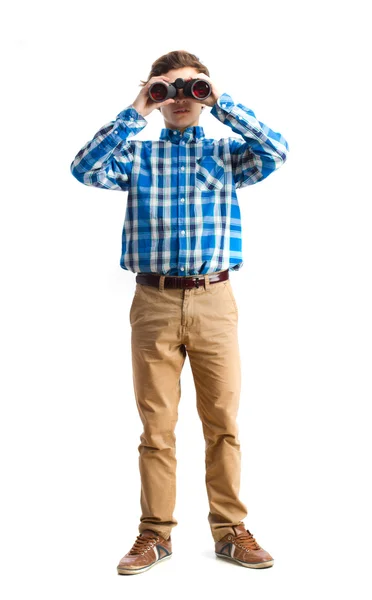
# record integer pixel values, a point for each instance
(215, 94)
(143, 103)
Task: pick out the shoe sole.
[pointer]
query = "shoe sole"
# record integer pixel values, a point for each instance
(262, 565)
(123, 571)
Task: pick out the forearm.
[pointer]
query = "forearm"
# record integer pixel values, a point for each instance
(259, 137)
(110, 140)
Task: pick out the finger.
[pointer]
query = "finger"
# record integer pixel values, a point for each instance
(156, 79)
(159, 77)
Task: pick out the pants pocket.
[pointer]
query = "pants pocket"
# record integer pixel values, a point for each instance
(137, 292)
(231, 294)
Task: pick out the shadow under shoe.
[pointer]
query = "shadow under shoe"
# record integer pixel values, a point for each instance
(242, 548)
(149, 549)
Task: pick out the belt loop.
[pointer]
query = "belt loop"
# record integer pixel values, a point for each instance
(161, 283)
(206, 281)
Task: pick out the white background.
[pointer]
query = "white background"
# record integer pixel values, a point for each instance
(69, 424)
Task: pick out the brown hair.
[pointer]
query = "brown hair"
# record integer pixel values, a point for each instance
(175, 60)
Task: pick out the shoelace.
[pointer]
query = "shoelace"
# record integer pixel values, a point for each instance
(247, 541)
(143, 543)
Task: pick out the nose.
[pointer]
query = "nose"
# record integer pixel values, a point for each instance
(180, 93)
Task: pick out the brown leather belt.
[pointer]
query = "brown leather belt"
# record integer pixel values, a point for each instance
(187, 282)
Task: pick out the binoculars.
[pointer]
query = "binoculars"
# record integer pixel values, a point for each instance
(160, 91)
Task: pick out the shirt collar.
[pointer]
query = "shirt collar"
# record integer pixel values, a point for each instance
(190, 134)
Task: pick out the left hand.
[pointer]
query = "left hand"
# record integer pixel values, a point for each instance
(215, 94)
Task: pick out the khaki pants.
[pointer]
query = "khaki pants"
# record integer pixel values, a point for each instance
(166, 325)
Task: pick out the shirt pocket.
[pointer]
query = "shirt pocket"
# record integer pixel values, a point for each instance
(210, 173)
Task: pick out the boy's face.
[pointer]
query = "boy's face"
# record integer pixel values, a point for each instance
(181, 121)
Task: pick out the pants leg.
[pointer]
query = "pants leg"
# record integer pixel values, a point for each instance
(158, 356)
(211, 338)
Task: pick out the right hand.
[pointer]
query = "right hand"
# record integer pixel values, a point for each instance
(143, 103)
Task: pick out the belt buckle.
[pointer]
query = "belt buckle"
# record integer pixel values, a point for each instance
(197, 284)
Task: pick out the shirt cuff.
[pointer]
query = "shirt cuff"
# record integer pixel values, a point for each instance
(222, 107)
(127, 120)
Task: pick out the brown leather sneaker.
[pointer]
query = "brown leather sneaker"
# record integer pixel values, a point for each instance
(243, 549)
(148, 549)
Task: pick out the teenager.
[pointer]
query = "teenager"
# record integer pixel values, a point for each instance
(182, 237)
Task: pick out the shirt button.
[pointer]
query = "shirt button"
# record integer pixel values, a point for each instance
(115, 131)
(182, 268)
(182, 199)
(182, 168)
(223, 105)
(174, 132)
(183, 232)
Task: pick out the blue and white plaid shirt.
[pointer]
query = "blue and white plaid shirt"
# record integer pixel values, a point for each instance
(182, 216)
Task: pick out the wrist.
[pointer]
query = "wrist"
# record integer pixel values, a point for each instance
(137, 109)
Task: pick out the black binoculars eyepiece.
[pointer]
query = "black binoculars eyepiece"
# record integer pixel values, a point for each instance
(199, 89)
